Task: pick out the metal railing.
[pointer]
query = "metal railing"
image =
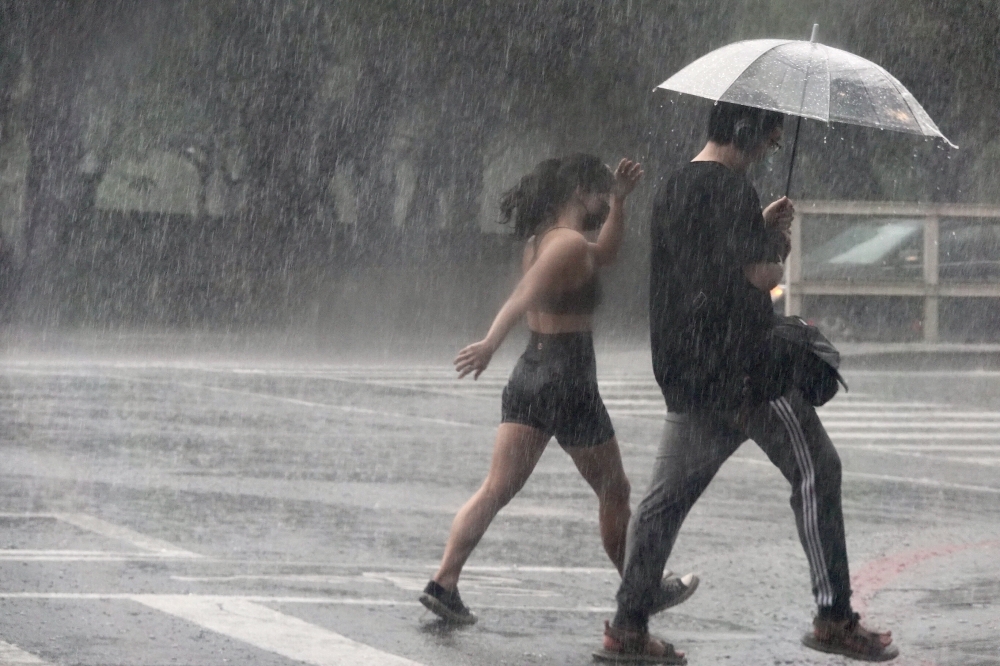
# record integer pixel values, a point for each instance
(929, 288)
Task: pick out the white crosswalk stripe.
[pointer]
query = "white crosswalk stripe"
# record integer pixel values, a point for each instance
(271, 630)
(854, 420)
(11, 655)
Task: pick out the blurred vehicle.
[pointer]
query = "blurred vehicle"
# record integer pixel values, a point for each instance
(891, 250)
(873, 251)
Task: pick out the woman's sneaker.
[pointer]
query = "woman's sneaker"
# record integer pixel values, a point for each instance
(674, 590)
(446, 604)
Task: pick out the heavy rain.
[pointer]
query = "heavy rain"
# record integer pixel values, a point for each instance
(283, 281)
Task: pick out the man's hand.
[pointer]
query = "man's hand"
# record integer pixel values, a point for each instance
(786, 243)
(779, 214)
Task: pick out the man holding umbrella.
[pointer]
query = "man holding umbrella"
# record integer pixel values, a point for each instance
(715, 256)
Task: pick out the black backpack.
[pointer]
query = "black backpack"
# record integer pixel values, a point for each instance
(803, 357)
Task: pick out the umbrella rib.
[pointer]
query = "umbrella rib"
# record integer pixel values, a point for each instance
(751, 64)
(875, 107)
(901, 90)
(909, 108)
(805, 84)
(829, 85)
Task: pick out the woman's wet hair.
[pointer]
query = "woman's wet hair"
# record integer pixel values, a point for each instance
(539, 195)
(746, 127)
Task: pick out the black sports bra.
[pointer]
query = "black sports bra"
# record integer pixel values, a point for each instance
(580, 301)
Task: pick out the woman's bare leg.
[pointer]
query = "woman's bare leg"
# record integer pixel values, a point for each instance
(515, 454)
(602, 467)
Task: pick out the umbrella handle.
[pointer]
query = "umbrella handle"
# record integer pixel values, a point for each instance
(798, 120)
(795, 146)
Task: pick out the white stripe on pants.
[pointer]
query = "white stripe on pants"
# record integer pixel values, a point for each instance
(810, 508)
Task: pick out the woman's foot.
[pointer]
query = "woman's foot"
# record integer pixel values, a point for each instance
(629, 646)
(674, 590)
(446, 604)
(850, 639)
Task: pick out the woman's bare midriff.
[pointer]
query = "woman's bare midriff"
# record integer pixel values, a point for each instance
(548, 323)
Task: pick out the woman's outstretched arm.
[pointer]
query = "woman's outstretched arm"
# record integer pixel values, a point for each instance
(562, 251)
(612, 234)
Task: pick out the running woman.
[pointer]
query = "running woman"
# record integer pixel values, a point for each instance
(553, 389)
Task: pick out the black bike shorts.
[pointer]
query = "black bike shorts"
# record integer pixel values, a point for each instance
(554, 389)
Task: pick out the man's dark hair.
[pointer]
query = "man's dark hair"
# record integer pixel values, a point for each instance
(745, 127)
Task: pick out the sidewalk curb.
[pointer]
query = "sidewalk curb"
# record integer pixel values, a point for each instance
(921, 356)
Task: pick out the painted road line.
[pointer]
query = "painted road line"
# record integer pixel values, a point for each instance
(304, 403)
(860, 410)
(915, 431)
(910, 423)
(371, 576)
(452, 392)
(979, 462)
(889, 413)
(238, 616)
(942, 448)
(150, 545)
(650, 413)
(932, 483)
(892, 436)
(11, 655)
(987, 419)
(493, 586)
(434, 381)
(515, 568)
(972, 374)
(254, 598)
(26, 555)
(321, 579)
(270, 630)
(988, 461)
(838, 403)
(112, 531)
(350, 409)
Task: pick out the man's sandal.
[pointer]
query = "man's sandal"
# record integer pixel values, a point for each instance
(850, 639)
(623, 646)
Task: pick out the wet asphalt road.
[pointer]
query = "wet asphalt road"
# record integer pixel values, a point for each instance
(194, 511)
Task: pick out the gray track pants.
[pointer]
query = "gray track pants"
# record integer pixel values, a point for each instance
(692, 450)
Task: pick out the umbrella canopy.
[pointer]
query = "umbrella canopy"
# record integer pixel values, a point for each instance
(805, 79)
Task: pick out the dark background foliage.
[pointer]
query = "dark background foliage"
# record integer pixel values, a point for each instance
(343, 159)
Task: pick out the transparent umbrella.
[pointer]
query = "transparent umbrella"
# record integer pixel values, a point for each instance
(807, 80)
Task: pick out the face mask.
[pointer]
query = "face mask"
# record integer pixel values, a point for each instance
(771, 157)
(593, 221)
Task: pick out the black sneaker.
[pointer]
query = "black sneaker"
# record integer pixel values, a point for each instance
(446, 605)
(674, 590)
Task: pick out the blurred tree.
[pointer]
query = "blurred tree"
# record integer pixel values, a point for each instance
(387, 114)
(12, 33)
(61, 37)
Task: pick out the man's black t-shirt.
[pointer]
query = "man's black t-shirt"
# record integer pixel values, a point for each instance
(709, 326)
